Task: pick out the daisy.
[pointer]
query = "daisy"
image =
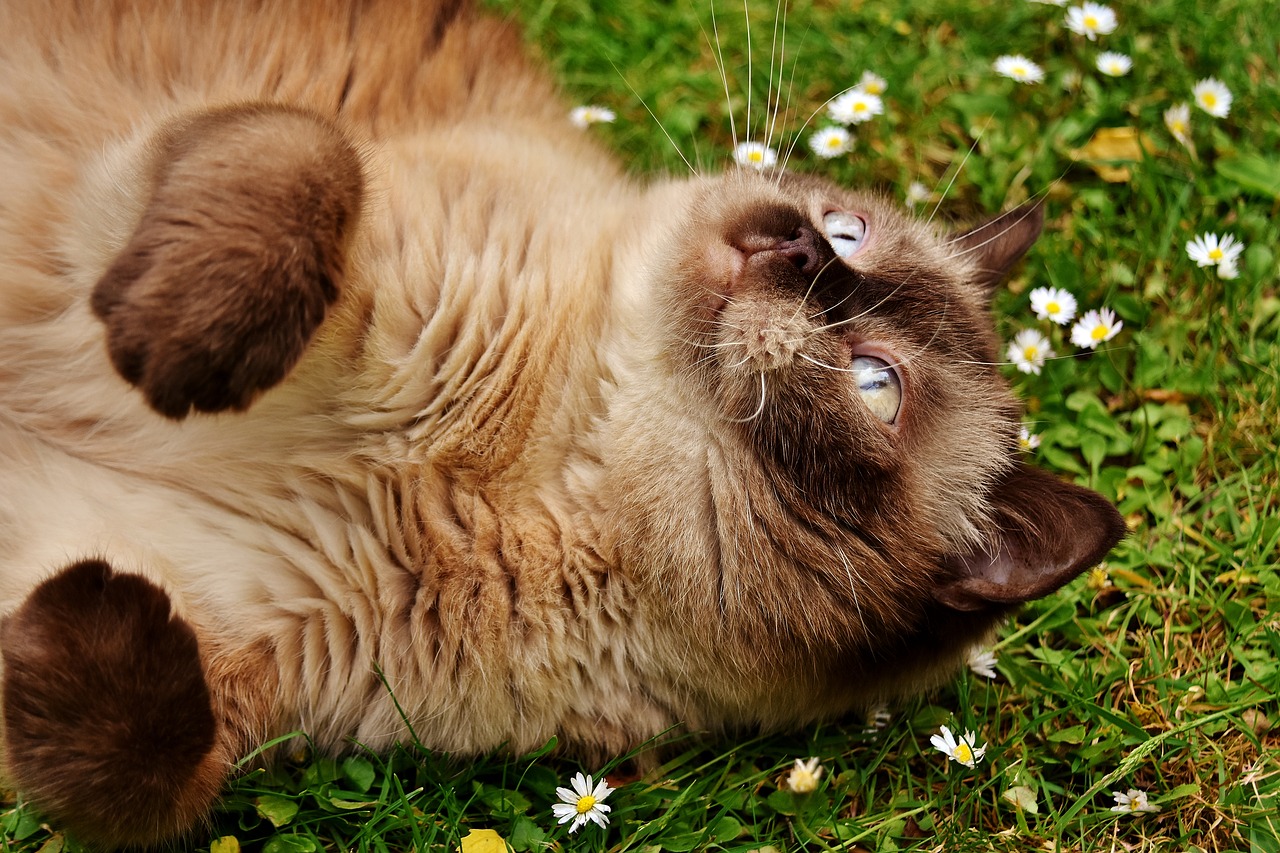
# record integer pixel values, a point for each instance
(584, 802)
(1018, 67)
(855, 107)
(1178, 120)
(755, 154)
(1114, 64)
(916, 193)
(982, 662)
(1228, 269)
(872, 84)
(963, 751)
(1028, 440)
(804, 776)
(1053, 303)
(831, 142)
(585, 115)
(1098, 578)
(1091, 20)
(1212, 97)
(1134, 801)
(1028, 351)
(1095, 327)
(1209, 250)
(879, 716)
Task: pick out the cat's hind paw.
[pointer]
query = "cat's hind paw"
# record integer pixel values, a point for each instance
(108, 722)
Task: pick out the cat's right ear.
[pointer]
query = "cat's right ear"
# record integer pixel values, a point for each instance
(996, 245)
(1047, 531)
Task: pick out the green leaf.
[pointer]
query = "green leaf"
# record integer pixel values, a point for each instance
(289, 844)
(1252, 172)
(1071, 734)
(225, 844)
(726, 829)
(359, 772)
(526, 835)
(276, 809)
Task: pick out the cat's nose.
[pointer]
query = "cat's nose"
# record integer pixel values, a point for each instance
(804, 249)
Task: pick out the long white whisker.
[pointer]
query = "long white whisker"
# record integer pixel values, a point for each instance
(759, 409)
(724, 76)
(653, 115)
(746, 13)
(981, 132)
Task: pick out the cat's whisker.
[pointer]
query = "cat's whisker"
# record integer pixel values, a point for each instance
(724, 77)
(759, 409)
(656, 120)
(956, 174)
(812, 284)
(746, 13)
(853, 588)
(800, 133)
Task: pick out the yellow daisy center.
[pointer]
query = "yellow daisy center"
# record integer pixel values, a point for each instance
(1052, 308)
(1215, 254)
(1091, 22)
(586, 803)
(1024, 443)
(1030, 352)
(833, 142)
(1178, 126)
(1209, 99)
(1099, 332)
(754, 157)
(963, 753)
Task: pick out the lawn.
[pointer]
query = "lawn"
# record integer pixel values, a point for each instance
(1157, 673)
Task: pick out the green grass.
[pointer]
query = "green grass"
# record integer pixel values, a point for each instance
(1160, 673)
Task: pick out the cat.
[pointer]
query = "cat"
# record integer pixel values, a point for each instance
(346, 387)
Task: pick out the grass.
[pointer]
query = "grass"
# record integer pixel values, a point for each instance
(1160, 672)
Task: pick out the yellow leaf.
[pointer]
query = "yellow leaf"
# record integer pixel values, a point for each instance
(1022, 797)
(225, 844)
(1109, 148)
(483, 841)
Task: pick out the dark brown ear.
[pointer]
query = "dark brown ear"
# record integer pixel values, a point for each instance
(996, 245)
(1048, 532)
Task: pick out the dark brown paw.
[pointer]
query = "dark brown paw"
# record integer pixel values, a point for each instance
(236, 260)
(108, 720)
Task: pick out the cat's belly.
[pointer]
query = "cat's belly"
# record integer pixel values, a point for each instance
(474, 658)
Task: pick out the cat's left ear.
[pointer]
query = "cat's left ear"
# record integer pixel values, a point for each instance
(1047, 532)
(996, 245)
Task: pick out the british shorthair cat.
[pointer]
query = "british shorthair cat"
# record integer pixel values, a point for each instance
(345, 386)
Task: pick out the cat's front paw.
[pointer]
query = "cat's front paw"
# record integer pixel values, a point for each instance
(235, 261)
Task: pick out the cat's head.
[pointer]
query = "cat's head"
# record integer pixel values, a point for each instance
(830, 418)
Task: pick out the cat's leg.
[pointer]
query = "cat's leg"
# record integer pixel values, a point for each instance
(238, 254)
(117, 724)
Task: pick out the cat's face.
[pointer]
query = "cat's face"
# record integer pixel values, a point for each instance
(856, 440)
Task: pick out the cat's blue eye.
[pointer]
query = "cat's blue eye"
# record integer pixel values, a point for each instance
(879, 386)
(846, 232)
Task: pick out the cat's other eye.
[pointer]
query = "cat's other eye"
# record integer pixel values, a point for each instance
(879, 386)
(846, 232)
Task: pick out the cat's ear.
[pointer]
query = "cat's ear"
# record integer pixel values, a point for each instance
(996, 245)
(1047, 532)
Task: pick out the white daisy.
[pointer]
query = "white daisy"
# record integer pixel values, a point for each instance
(1213, 97)
(1018, 67)
(804, 776)
(982, 662)
(1228, 269)
(1091, 20)
(1134, 801)
(584, 802)
(1178, 120)
(1053, 303)
(755, 154)
(1028, 440)
(831, 142)
(1028, 351)
(590, 114)
(1114, 64)
(872, 83)
(1209, 250)
(917, 193)
(855, 107)
(964, 751)
(1095, 327)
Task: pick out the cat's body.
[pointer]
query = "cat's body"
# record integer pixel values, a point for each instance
(423, 390)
